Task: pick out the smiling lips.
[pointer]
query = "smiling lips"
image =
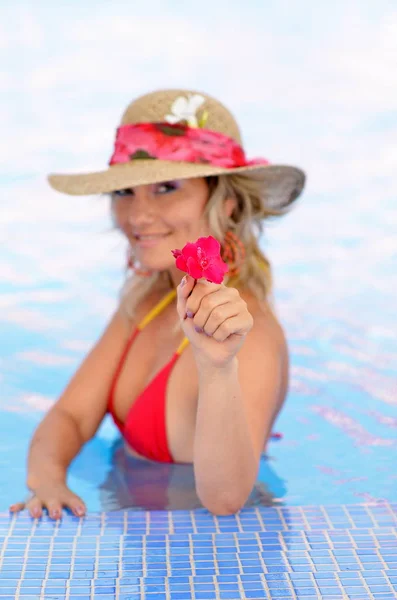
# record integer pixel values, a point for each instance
(146, 241)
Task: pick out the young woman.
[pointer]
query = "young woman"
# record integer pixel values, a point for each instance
(191, 371)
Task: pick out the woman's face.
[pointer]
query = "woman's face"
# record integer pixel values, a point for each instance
(161, 217)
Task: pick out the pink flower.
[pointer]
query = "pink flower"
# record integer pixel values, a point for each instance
(202, 259)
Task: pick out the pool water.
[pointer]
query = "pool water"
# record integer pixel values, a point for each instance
(322, 515)
(334, 296)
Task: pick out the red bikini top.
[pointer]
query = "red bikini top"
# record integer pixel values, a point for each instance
(145, 428)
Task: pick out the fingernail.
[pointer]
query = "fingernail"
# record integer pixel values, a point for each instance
(189, 314)
(184, 281)
(55, 514)
(198, 329)
(79, 510)
(35, 512)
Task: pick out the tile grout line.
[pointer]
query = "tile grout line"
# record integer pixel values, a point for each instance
(240, 586)
(365, 584)
(331, 549)
(389, 583)
(7, 538)
(284, 551)
(95, 574)
(375, 523)
(170, 520)
(191, 554)
(282, 518)
(291, 587)
(215, 554)
(239, 524)
(216, 521)
(326, 517)
(308, 526)
(348, 515)
(72, 559)
(193, 521)
(341, 587)
(309, 558)
(238, 552)
(216, 586)
(315, 585)
(264, 566)
(191, 586)
(260, 519)
(266, 588)
(25, 557)
(121, 554)
(144, 569)
(377, 550)
(49, 558)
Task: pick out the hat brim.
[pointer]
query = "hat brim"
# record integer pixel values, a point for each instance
(283, 183)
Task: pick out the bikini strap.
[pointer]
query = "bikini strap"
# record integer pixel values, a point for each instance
(182, 346)
(156, 309)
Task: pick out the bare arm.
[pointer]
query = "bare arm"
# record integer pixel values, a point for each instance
(49, 453)
(72, 421)
(236, 408)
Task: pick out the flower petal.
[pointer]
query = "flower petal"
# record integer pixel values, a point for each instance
(181, 263)
(210, 245)
(194, 103)
(180, 106)
(190, 250)
(215, 271)
(171, 119)
(193, 268)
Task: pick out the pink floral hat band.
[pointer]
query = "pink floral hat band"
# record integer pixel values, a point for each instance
(178, 142)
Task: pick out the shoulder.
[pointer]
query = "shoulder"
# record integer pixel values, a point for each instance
(267, 325)
(142, 307)
(266, 343)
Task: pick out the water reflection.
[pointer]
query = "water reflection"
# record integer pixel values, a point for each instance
(145, 485)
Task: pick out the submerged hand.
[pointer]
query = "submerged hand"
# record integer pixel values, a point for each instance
(214, 318)
(53, 496)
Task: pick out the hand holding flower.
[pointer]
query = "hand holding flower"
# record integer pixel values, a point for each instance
(214, 317)
(202, 259)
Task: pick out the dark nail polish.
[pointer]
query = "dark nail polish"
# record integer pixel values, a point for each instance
(198, 329)
(189, 314)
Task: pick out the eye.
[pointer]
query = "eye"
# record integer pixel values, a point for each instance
(166, 186)
(125, 192)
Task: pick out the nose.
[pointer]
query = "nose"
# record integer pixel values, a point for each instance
(140, 209)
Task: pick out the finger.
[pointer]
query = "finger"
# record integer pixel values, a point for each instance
(209, 302)
(184, 289)
(18, 506)
(203, 290)
(35, 507)
(232, 326)
(54, 508)
(216, 317)
(75, 504)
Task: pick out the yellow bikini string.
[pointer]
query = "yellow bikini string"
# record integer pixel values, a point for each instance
(157, 310)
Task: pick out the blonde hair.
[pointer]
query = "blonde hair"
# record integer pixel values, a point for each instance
(246, 222)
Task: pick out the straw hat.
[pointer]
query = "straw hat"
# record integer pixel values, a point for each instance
(195, 122)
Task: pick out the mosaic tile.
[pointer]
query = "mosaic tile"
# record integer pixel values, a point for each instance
(113, 556)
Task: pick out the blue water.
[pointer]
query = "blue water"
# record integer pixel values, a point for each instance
(334, 272)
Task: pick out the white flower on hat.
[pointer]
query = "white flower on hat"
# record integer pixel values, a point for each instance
(185, 109)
